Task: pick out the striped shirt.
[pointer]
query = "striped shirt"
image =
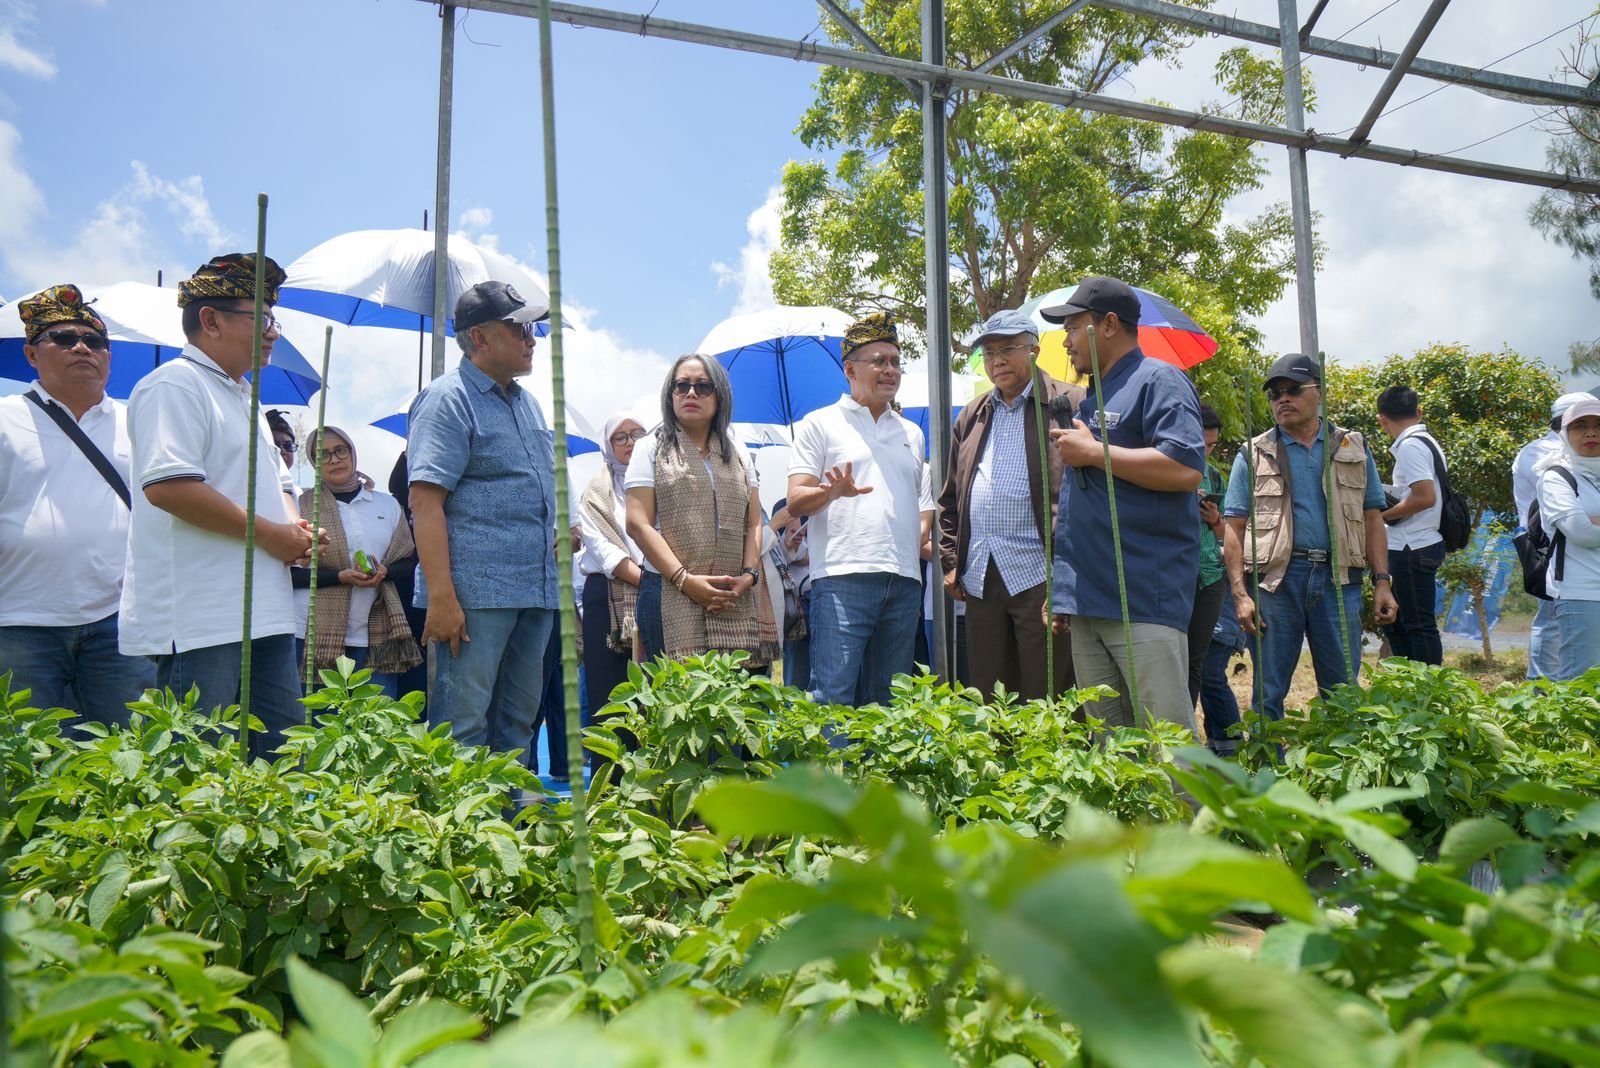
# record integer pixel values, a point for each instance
(1004, 527)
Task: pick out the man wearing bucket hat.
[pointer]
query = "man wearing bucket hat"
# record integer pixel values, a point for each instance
(189, 421)
(64, 518)
(482, 470)
(1280, 475)
(993, 510)
(1544, 637)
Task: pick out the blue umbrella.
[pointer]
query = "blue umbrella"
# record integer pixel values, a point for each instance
(396, 424)
(782, 363)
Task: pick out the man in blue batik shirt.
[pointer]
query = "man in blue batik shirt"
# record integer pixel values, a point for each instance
(482, 469)
(1152, 422)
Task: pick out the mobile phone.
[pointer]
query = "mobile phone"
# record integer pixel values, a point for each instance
(1214, 499)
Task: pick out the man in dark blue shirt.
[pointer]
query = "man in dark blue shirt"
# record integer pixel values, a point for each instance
(1152, 422)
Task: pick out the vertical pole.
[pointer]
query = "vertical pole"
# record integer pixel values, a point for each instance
(441, 185)
(583, 873)
(311, 678)
(420, 334)
(936, 230)
(250, 470)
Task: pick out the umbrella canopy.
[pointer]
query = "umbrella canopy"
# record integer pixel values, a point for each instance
(1165, 332)
(782, 363)
(385, 278)
(913, 398)
(146, 329)
(580, 438)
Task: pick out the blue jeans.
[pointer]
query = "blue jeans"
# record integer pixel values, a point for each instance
(1580, 637)
(78, 668)
(1414, 634)
(274, 683)
(1303, 608)
(490, 692)
(1544, 643)
(863, 631)
(389, 681)
(797, 662)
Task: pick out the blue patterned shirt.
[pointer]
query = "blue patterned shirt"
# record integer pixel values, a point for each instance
(1004, 527)
(492, 450)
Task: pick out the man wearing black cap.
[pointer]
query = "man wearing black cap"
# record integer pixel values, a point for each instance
(482, 469)
(189, 421)
(1152, 423)
(1280, 473)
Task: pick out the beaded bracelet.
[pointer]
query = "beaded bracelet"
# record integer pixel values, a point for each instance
(680, 576)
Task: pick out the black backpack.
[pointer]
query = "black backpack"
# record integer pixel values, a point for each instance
(1540, 550)
(1455, 519)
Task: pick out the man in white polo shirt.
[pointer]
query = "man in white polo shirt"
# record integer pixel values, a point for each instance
(189, 421)
(64, 518)
(856, 468)
(1416, 549)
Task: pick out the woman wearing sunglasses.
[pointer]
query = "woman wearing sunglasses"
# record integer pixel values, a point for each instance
(692, 508)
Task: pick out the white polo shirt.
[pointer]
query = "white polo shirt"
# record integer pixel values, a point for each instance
(878, 532)
(63, 529)
(1413, 462)
(184, 587)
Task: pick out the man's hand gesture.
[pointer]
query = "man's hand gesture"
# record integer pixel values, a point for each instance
(841, 482)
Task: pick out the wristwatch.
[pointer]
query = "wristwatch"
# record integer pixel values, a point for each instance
(1382, 576)
(755, 575)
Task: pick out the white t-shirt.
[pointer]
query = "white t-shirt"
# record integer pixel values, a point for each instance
(1413, 462)
(878, 532)
(184, 587)
(369, 520)
(1524, 475)
(1559, 505)
(600, 556)
(642, 475)
(63, 529)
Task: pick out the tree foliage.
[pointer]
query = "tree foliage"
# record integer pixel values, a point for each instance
(1039, 196)
(1565, 216)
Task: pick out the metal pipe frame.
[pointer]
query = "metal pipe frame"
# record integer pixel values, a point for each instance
(1397, 73)
(1031, 36)
(935, 228)
(441, 186)
(811, 52)
(861, 37)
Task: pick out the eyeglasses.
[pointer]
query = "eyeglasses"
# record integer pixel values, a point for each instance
(622, 437)
(288, 445)
(268, 322)
(1007, 351)
(71, 339)
(682, 387)
(1292, 390)
(881, 363)
(338, 452)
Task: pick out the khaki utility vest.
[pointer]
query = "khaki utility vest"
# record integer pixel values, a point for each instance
(1268, 552)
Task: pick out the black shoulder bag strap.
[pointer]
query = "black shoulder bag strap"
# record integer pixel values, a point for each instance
(71, 429)
(1438, 466)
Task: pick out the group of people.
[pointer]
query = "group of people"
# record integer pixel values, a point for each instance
(121, 528)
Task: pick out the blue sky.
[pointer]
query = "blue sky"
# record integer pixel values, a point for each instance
(134, 135)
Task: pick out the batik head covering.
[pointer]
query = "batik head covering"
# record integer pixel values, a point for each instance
(879, 326)
(231, 277)
(58, 304)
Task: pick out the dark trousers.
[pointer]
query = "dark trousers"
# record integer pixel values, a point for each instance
(1414, 634)
(1006, 637)
(1207, 605)
(216, 670)
(605, 668)
(552, 710)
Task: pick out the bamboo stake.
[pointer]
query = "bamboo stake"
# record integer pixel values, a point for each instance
(1116, 526)
(1039, 403)
(316, 519)
(250, 486)
(583, 875)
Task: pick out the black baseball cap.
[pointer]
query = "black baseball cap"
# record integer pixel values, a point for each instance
(488, 301)
(1100, 295)
(1294, 366)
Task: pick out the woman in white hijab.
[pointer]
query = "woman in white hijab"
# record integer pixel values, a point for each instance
(1569, 505)
(609, 565)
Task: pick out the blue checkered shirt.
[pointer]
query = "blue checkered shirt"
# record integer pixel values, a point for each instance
(1003, 525)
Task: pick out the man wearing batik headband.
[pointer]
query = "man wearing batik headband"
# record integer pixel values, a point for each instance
(64, 523)
(856, 468)
(190, 425)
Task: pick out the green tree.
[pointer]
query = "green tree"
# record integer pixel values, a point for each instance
(1482, 408)
(1564, 216)
(1040, 196)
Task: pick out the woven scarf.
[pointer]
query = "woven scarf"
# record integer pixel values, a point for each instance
(391, 648)
(599, 504)
(703, 520)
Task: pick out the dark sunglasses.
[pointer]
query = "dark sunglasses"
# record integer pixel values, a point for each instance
(683, 387)
(71, 339)
(1293, 390)
(288, 446)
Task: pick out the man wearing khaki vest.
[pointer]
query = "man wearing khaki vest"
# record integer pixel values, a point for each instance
(1291, 550)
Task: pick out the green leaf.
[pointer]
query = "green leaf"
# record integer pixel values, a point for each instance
(1472, 840)
(86, 999)
(334, 1015)
(114, 877)
(1190, 870)
(874, 1042)
(231, 839)
(258, 1049)
(808, 804)
(423, 1027)
(832, 932)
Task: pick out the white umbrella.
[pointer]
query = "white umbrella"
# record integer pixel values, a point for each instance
(385, 278)
(783, 362)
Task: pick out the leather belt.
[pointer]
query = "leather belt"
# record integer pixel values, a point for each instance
(1316, 556)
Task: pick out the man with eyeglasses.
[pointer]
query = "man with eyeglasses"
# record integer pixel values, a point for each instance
(64, 518)
(191, 430)
(856, 469)
(993, 510)
(1289, 547)
(482, 470)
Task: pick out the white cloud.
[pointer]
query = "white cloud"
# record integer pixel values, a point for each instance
(474, 224)
(186, 199)
(749, 279)
(14, 55)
